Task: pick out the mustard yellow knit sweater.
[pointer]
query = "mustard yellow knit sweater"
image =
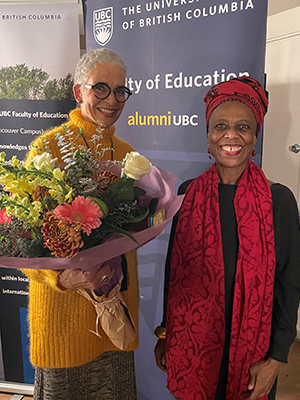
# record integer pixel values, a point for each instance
(60, 321)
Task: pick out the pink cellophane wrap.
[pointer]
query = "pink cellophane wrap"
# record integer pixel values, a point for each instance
(158, 184)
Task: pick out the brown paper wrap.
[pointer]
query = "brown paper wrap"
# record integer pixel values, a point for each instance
(113, 316)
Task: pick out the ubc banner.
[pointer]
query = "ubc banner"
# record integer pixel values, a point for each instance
(38, 53)
(175, 50)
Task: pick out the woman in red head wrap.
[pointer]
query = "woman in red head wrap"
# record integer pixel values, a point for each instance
(232, 283)
(245, 90)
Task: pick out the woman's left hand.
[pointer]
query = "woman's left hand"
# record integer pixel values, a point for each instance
(160, 354)
(262, 378)
(78, 279)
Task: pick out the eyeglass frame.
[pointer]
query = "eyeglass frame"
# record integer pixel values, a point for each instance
(127, 90)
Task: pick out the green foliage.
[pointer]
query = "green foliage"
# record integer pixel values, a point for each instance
(60, 89)
(122, 190)
(15, 242)
(20, 82)
(32, 248)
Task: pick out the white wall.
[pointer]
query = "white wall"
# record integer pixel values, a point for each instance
(283, 118)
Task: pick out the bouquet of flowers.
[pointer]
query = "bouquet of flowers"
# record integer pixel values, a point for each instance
(80, 214)
(52, 212)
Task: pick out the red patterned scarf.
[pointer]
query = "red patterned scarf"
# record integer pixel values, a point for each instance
(196, 305)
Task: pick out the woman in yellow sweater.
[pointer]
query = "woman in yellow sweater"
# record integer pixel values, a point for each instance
(71, 362)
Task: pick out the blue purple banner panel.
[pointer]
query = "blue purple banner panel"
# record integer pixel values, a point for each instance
(175, 50)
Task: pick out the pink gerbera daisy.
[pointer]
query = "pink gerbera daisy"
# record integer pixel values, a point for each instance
(4, 218)
(82, 211)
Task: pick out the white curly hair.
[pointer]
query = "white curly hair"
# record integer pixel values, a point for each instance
(90, 60)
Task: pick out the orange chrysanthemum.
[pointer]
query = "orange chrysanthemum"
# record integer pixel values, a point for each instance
(82, 211)
(110, 176)
(39, 192)
(63, 239)
(107, 177)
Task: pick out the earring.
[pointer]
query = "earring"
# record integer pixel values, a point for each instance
(79, 101)
(253, 153)
(208, 151)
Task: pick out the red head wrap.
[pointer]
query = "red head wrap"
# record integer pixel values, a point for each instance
(244, 89)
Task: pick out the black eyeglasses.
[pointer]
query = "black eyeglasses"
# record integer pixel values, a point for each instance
(102, 91)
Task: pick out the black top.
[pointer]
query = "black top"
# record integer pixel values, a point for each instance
(287, 271)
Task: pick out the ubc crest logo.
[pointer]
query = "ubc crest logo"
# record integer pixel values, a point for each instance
(103, 25)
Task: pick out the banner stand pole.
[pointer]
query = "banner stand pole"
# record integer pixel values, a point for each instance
(18, 389)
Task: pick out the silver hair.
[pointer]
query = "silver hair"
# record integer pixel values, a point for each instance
(90, 60)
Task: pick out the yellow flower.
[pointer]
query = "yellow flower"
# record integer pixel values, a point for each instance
(7, 178)
(9, 210)
(38, 181)
(57, 195)
(16, 198)
(15, 162)
(35, 213)
(45, 167)
(70, 195)
(25, 202)
(58, 174)
(37, 204)
(20, 186)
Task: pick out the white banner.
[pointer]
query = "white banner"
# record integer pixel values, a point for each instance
(39, 49)
(42, 36)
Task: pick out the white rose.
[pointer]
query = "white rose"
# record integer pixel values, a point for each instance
(39, 160)
(135, 166)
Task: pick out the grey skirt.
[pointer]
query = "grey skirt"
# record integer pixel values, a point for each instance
(110, 376)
